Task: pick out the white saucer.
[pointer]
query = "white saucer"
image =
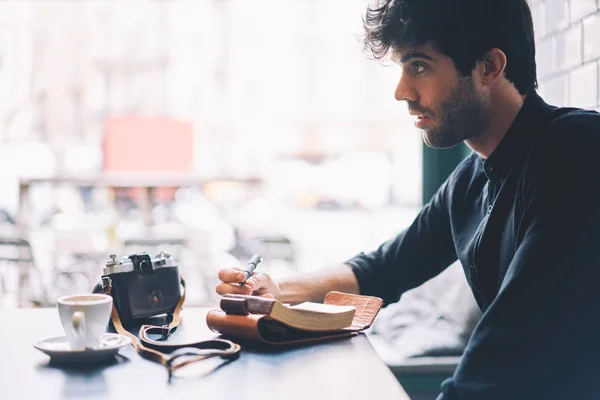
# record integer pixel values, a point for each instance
(59, 350)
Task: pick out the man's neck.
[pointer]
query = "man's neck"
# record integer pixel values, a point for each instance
(503, 108)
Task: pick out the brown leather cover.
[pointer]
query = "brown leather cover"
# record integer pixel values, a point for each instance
(243, 305)
(246, 320)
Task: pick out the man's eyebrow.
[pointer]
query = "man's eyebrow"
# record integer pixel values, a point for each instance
(415, 54)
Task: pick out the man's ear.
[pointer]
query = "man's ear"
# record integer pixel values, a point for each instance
(492, 66)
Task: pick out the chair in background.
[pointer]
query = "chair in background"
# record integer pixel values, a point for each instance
(16, 259)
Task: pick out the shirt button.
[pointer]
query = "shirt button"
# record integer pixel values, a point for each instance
(472, 264)
(489, 208)
(488, 168)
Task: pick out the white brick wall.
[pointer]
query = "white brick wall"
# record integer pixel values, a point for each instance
(567, 36)
(591, 31)
(581, 8)
(557, 15)
(568, 48)
(583, 86)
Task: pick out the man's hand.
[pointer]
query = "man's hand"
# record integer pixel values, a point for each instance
(293, 290)
(259, 284)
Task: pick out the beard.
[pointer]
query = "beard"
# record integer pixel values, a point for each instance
(460, 117)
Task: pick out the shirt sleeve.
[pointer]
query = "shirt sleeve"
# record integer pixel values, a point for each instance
(415, 255)
(540, 337)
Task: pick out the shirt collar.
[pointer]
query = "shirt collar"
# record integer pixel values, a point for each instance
(514, 146)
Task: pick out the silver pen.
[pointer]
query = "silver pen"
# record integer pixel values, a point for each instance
(251, 266)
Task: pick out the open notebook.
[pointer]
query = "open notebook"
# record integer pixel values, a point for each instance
(265, 320)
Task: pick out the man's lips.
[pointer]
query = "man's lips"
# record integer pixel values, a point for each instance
(419, 114)
(421, 120)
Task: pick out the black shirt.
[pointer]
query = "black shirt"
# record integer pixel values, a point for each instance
(525, 225)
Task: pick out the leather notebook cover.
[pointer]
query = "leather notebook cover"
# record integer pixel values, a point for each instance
(243, 318)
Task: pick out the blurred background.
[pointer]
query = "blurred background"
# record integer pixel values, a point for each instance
(215, 129)
(211, 129)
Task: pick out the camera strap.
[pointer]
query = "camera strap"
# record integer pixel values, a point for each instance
(169, 354)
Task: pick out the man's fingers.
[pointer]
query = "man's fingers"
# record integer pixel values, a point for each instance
(251, 283)
(231, 275)
(258, 281)
(259, 284)
(235, 288)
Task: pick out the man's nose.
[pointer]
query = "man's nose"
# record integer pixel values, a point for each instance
(404, 90)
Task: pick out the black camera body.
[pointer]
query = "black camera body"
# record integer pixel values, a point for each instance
(142, 287)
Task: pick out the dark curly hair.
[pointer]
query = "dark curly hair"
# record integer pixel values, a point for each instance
(464, 30)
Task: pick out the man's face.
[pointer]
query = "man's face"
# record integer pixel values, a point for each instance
(446, 106)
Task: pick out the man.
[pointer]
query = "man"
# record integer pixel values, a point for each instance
(521, 213)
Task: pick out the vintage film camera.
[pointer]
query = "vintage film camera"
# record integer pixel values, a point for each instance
(142, 287)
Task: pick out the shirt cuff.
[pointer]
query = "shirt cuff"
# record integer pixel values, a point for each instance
(365, 276)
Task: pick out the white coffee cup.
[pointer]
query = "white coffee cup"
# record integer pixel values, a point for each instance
(84, 318)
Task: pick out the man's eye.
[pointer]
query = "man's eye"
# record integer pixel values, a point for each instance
(419, 68)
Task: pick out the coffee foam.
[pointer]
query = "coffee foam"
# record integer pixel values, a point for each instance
(86, 299)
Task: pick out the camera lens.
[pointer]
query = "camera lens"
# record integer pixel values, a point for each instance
(145, 266)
